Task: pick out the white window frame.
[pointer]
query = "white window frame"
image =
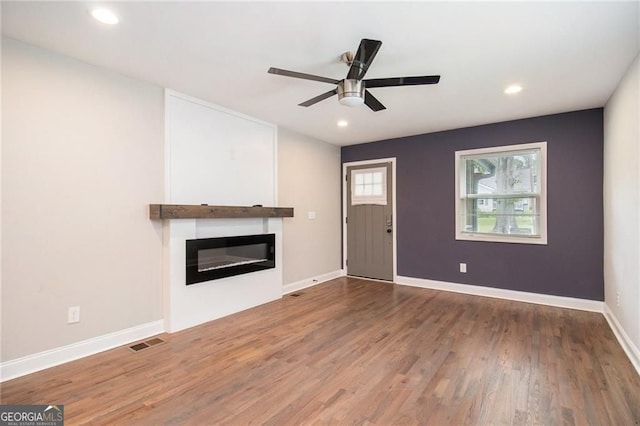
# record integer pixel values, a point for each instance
(461, 234)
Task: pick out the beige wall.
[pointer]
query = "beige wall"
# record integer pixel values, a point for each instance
(82, 159)
(309, 181)
(622, 203)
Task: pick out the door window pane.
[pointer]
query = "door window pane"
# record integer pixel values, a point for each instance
(369, 186)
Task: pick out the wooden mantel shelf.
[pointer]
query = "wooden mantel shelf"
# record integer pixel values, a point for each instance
(188, 211)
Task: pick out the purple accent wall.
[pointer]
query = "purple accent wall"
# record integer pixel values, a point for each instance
(572, 262)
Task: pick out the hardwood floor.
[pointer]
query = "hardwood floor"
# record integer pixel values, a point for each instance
(353, 351)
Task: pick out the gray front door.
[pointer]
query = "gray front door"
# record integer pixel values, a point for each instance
(370, 221)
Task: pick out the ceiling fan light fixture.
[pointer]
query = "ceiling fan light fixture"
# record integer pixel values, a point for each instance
(351, 101)
(351, 93)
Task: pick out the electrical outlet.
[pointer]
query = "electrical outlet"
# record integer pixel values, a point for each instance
(463, 268)
(73, 315)
(617, 298)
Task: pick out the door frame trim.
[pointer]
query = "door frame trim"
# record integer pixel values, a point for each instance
(391, 160)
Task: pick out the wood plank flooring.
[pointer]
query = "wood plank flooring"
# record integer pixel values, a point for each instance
(353, 351)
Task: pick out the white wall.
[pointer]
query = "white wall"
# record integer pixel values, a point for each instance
(622, 208)
(82, 159)
(309, 181)
(217, 156)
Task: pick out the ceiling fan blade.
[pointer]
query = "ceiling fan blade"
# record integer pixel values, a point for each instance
(319, 98)
(401, 81)
(372, 102)
(304, 76)
(363, 58)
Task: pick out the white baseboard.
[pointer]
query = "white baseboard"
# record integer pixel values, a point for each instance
(42, 360)
(633, 353)
(31, 363)
(498, 293)
(310, 282)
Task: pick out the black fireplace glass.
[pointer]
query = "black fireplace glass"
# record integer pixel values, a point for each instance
(213, 258)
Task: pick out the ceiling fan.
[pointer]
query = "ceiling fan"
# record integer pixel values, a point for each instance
(352, 91)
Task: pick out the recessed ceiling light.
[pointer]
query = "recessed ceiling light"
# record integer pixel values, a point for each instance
(343, 123)
(105, 16)
(513, 89)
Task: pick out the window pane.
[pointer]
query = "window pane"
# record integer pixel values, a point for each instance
(502, 173)
(359, 178)
(377, 189)
(503, 216)
(377, 177)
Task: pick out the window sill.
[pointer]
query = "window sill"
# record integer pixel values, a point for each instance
(513, 239)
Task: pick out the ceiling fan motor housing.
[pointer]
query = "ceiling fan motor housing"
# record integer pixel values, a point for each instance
(351, 92)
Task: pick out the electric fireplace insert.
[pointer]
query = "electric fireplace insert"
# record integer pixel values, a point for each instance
(213, 258)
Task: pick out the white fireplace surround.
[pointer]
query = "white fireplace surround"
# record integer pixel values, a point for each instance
(216, 156)
(187, 306)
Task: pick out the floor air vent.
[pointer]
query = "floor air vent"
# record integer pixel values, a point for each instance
(138, 347)
(146, 344)
(154, 341)
(295, 295)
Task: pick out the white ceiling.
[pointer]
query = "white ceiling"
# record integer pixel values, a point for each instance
(567, 56)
